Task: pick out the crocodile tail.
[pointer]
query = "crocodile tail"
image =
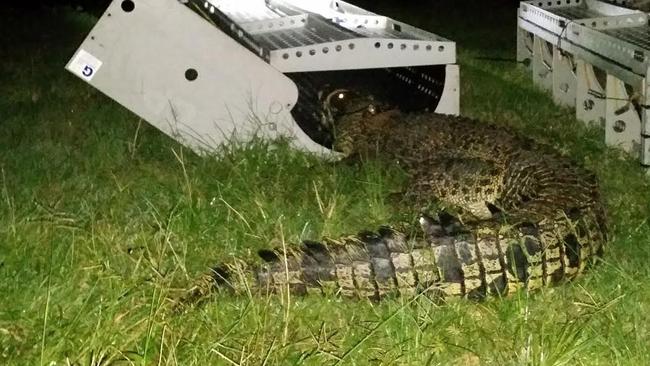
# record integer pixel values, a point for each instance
(374, 265)
(443, 258)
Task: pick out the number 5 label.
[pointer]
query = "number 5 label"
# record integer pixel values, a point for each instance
(84, 65)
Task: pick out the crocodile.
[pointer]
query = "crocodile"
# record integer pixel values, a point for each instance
(519, 215)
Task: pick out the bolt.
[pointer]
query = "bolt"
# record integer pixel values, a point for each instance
(619, 126)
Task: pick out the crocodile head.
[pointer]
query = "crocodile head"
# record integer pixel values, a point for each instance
(348, 113)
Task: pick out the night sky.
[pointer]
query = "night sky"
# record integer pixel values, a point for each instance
(431, 15)
(97, 6)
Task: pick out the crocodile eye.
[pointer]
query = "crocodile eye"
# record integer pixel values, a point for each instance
(370, 110)
(340, 100)
(335, 101)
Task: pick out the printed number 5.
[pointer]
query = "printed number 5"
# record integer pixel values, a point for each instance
(87, 71)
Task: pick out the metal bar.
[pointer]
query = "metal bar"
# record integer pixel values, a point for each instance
(362, 53)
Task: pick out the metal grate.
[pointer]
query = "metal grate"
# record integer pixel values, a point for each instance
(392, 33)
(274, 25)
(227, 25)
(315, 30)
(577, 12)
(638, 36)
(245, 11)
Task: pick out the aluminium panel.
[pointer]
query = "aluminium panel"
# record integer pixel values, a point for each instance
(198, 85)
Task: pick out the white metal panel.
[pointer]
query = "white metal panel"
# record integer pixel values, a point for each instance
(590, 95)
(622, 122)
(450, 99)
(524, 47)
(542, 63)
(145, 54)
(564, 78)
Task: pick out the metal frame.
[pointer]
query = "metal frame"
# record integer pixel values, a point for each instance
(595, 34)
(207, 72)
(322, 35)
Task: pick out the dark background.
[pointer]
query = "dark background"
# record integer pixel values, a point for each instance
(474, 24)
(97, 6)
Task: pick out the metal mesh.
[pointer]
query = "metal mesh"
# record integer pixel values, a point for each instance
(228, 26)
(244, 11)
(638, 36)
(385, 33)
(576, 12)
(316, 30)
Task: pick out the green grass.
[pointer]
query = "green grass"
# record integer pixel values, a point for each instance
(103, 219)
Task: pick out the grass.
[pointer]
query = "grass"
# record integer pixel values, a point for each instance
(103, 219)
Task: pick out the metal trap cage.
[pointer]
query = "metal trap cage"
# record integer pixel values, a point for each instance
(593, 55)
(207, 72)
